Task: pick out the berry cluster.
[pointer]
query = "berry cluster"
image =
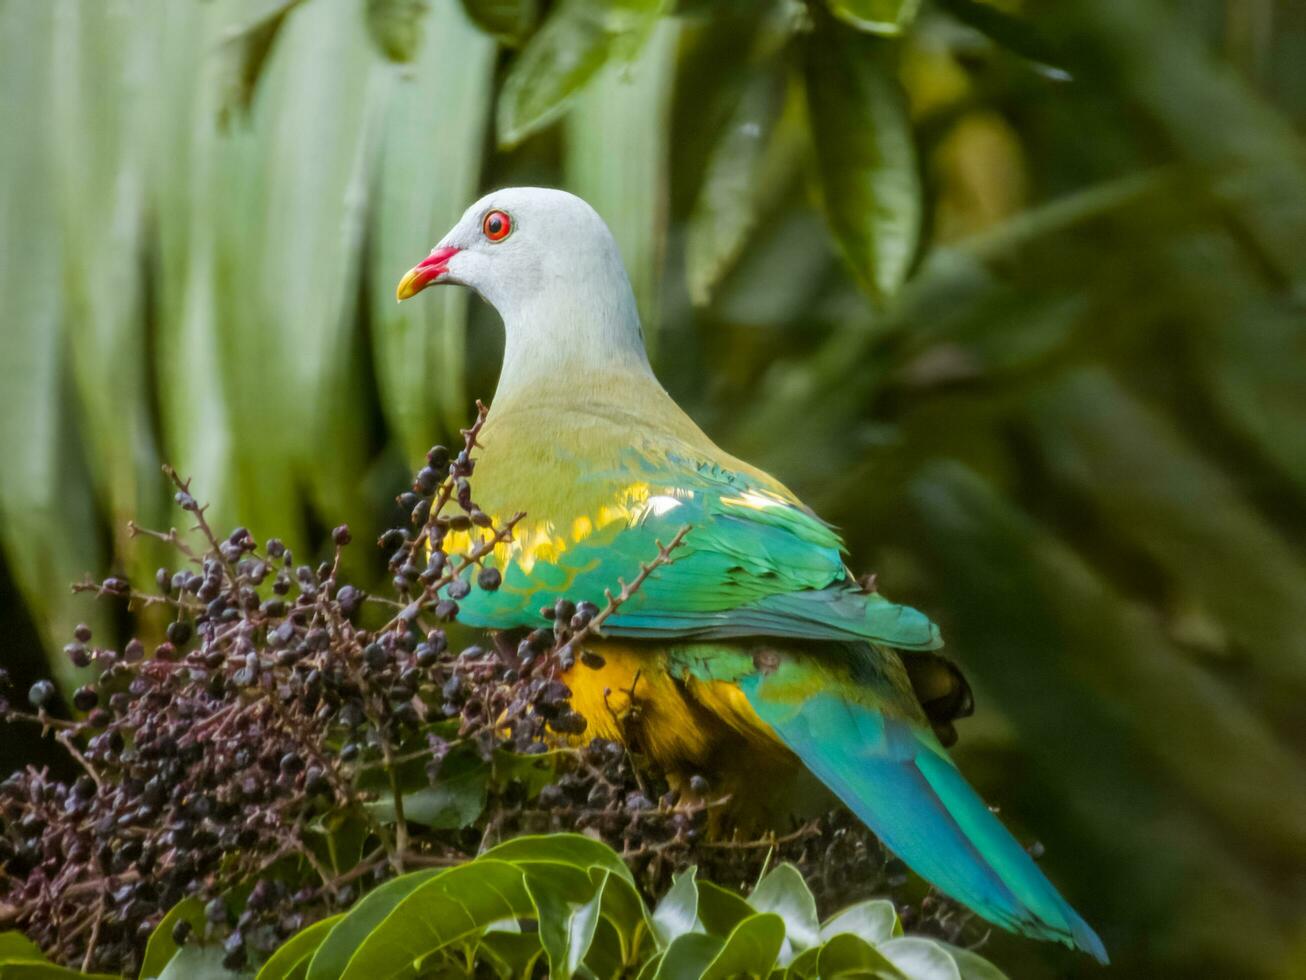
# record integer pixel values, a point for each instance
(267, 753)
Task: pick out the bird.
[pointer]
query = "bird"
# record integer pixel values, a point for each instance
(753, 656)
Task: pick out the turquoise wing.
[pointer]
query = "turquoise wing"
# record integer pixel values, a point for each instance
(854, 729)
(755, 563)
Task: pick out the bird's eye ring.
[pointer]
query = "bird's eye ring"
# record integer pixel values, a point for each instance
(496, 225)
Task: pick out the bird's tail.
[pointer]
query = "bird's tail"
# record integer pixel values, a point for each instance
(897, 778)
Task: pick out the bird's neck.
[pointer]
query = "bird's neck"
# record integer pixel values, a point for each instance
(561, 338)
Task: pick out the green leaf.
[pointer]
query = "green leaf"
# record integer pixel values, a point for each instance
(453, 905)
(509, 21)
(291, 959)
(689, 955)
(625, 913)
(14, 946)
(920, 959)
(728, 202)
(874, 920)
(628, 104)
(512, 954)
(245, 54)
(651, 966)
(160, 949)
(418, 348)
(576, 850)
(677, 913)
(567, 902)
(784, 892)
(971, 965)
(886, 17)
(848, 955)
(575, 42)
(332, 957)
(48, 524)
(720, 909)
(865, 155)
(396, 27)
(196, 962)
(751, 948)
(456, 799)
(803, 965)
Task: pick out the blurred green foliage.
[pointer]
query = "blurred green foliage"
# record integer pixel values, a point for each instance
(1013, 292)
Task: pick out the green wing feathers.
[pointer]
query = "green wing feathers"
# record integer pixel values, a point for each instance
(858, 731)
(755, 563)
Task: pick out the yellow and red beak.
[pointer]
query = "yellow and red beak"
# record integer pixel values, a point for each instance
(428, 272)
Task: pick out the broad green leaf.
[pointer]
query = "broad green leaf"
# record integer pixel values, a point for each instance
(332, 957)
(720, 909)
(730, 197)
(846, 955)
(299, 172)
(15, 946)
(244, 54)
(677, 913)
(573, 44)
(511, 954)
(624, 911)
(971, 965)
(453, 905)
(101, 124)
(607, 953)
(160, 949)
(628, 104)
(397, 27)
(291, 959)
(567, 902)
(508, 21)
(48, 525)
(576, 850)
(865, 155)
(583, 924)
(651, 966)
(430, 162)
(874, 920)
(456, 799)
(803, 965)
(784, 892)
(689, 955)
(196, 962)
(887, 17)
(751, 948)
(919, 959)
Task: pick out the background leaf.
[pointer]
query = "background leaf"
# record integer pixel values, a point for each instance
(876, 16)
(571, 46)
(865, 156)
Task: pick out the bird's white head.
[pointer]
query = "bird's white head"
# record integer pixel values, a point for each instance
(546, 261)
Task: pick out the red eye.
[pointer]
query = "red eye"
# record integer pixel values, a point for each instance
(496, 225)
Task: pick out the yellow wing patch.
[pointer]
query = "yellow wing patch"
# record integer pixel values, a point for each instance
(536, 541)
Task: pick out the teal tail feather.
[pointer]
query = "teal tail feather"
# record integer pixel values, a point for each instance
(898, 780)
